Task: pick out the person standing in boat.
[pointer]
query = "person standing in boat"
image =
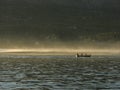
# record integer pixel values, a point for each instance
(77, 55)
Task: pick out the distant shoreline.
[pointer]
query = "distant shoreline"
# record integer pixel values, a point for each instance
(57, 53)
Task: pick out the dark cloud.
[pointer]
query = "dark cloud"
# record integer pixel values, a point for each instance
(36, 21)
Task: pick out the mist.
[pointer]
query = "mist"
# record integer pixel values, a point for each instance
(61, 48)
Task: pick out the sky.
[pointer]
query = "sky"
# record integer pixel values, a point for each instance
(59, 24)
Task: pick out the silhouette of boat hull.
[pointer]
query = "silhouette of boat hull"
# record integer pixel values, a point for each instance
(77, 55)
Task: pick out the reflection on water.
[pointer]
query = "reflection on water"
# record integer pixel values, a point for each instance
(59, 73)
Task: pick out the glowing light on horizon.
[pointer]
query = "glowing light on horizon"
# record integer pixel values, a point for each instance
(61, 50)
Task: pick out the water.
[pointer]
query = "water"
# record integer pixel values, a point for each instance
(59, 73)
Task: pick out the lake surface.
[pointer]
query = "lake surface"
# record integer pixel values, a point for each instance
(59, 73)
